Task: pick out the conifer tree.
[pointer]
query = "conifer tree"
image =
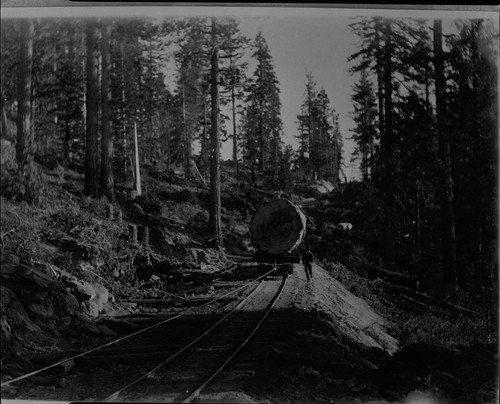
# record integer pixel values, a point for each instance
(306, 126)
(365, 132)
(192, 70)
(263, 113)
(91, 145)
(107, 182)
(25, 145)
(214, 221)
(320, 148)
(234, 75)
(472, 94)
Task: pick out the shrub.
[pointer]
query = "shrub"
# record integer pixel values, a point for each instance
(199, 221)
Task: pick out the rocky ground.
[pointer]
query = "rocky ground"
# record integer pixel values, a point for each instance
(356, 333)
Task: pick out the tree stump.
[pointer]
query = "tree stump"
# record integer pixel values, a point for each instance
(109, 211)
(145, 236)
(132, 230)
(119, 216)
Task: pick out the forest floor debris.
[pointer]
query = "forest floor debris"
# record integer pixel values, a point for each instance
(402, 349)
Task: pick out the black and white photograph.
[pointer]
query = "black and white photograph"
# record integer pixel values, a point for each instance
(249, 203)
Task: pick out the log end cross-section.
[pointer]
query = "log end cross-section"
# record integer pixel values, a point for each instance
(278, 227)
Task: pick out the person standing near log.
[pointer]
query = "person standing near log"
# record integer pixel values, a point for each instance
(307, 259)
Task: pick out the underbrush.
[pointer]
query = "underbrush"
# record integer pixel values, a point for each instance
(70, 232)
(409, 327)
(21, 230)
(434, 329)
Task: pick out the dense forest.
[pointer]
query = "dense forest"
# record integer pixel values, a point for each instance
(137, 152)
(96, 95)
(426, 133)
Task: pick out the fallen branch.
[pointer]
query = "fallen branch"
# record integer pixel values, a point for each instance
(114, 356)
(8, 232)
(419, 303)
(98, 276)
(14, 229)
(153, 220)
(271, 194)
(390, 276)
(72, 196)
(183, 301)
(429, 300)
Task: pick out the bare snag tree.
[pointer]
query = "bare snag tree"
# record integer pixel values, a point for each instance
(25, 145)
(107, 183)
(91, 141)
(214, 221)
(448, 250)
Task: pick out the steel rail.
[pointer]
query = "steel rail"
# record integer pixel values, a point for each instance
(268, 309)
(60, 362)
(115, 395)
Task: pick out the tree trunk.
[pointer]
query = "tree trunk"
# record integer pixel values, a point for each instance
(138, 187)
(214, 222)
(235, 137)
(187, 138)
(448, 250)
(25, 138)
(480, 272)
(91, 150)
(335, 164)
(166, 150)
(261, 144)
(204, 140)
(25, 146)
(261, 129)
(123, 112)
(386, 145)
(417, 256)
(107, 183)
(380, 81)
(84, 96)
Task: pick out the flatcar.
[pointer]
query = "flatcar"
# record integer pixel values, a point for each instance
(277, 229)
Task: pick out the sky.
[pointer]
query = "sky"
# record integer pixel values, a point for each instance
(319, 44)
(301, 39)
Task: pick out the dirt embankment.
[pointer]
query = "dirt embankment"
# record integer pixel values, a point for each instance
(335, 348)
(351, 316)
(318, 356)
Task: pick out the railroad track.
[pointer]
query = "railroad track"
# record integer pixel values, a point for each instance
(160, 366)
(189, 372)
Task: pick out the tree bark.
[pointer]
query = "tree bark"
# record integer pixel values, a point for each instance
(107, 183)
(380, 80)
(25, 146)
(122, 108)
(262, 164)
(137, 165)
(204, 139)
(386, 145)
(235, 137)
(480, 270)
(214, 222)
(448, 249)
(25, 138)
(91, 150)
(84, 95)
(187, 137)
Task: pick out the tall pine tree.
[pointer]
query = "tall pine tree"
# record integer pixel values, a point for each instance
(263, 125)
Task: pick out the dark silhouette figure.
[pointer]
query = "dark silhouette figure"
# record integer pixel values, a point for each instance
(307, 259)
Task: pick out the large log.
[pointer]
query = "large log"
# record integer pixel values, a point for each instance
(278, 227)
